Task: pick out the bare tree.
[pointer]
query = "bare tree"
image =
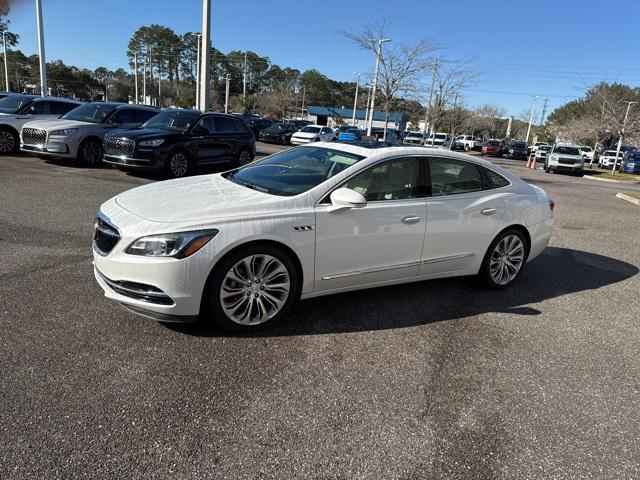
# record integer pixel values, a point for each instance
(401, 65)
(450, 78)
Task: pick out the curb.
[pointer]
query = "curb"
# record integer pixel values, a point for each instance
(624, 182)
(628, 198)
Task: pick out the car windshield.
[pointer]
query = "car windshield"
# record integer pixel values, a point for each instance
(293, 171)
(585, 149)
(441, 136)
(91, 112)
(567, 150)
(493, 143)
(310, 130)
(415, 135)
(518, 145)
(634, 156)
(610, 153)
(178, 120)
(13, 103)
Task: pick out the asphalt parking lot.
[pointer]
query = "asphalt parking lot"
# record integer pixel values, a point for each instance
(439, 379)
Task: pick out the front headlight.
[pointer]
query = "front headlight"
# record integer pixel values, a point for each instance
(62, 133)
(176, 245)
(151, 143)
(553, 157)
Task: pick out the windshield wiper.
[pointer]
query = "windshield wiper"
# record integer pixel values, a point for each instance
(231, 175)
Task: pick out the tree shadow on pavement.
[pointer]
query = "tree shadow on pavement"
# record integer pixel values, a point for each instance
(557, 272)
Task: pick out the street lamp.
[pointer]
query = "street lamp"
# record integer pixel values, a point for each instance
(624, 124)
(355, 101)
(6, 68)
(533, 106)
(43, 63)
(375, 83)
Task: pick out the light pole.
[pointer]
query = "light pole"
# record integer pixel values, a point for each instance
(135, 69)
(226, 94)
(244, 83)
(199, 36)
(624, 124)
(203, 98)
(6, 68)
(375, 83)
(43, 63)
(355, 100)
(533, 106)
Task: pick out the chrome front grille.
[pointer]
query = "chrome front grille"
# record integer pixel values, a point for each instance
(567, 161)
(34, 136)
(119, 147)
(105, 236)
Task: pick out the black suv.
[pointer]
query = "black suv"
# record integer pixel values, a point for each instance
(517, 150)
(175, 141)
(278, 133)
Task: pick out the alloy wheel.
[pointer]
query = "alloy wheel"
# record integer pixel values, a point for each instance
(7, 142)
(178, 165)
(255, 289)
(245, 158)
(91, 153)
(506, 259)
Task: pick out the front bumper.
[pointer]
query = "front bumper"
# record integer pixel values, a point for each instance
(560, 167)
(52, 149)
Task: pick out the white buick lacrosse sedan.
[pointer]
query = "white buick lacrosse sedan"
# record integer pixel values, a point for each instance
(241, 247)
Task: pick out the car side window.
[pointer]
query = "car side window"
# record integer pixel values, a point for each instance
(491, 179)
(240, 126)
(451, 177)
(123, 117)
(141, 116)
(205, 124)
(38, 108)
(60, 108)
(395, 179)
(224, 124)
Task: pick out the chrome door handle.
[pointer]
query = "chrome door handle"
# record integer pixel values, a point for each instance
(410, 219)
(488, 211)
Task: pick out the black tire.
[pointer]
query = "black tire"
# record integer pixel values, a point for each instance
(178, 164)
(90, 152)
(212, 309)
(245, 157)
(9, 141)
(484, 275)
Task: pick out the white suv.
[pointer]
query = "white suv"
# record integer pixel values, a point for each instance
(608, 158)
(17, 109)
(79, 133)
(565, 158)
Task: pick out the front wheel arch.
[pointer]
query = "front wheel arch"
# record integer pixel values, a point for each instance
(272, 243)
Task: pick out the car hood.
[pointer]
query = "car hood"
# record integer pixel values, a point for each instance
(143, 133)
(305, 135)
(58, 124)
(192, 199)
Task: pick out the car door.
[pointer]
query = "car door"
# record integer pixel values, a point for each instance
(381, 241)
(326, 134)
(203, 141)
(465, 208)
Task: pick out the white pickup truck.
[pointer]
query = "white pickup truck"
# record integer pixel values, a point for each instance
(467, 142)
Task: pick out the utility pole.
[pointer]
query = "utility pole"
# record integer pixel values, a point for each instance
(43, 63)
(135, 69)
(226, 94)
(427, 117)
(203, 100)
(366, 111)
(302, 115)
(544, 110)
(144, 81)
(150, 75)
(355, 100)
(6, 69)
(159, 87)
(244, 83)
(533, 107)
(198, 72)
(624, 124)
(508, 135)
(375, 82)
(453, 127)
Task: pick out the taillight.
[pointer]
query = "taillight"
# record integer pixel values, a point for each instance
(552, 204)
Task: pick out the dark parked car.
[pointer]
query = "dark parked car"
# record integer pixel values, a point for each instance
(278, 133)
(175, 141)
(394, 137)
(631, 162)
(517, 150)
(256, 125)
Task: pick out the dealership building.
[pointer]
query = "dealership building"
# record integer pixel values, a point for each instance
(329, 116)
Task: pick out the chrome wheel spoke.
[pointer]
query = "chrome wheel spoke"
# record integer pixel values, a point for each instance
(506, 259)
(255, 289)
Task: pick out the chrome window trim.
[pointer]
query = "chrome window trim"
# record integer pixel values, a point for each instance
(371, 270)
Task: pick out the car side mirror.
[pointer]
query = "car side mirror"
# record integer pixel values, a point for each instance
(345, 198)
